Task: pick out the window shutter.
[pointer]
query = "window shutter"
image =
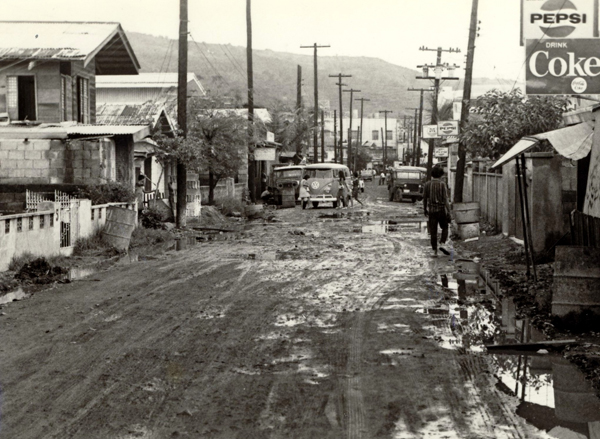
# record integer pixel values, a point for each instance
(13, 98)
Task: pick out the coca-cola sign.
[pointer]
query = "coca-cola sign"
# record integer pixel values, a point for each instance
(563, 67)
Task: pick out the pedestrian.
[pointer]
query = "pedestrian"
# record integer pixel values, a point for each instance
(355, 188)
(139, 191)
(267, 196)
(304, 191)
(436, 207)
(388, 179)
(361, 184)
(381, 178)
(342, 187)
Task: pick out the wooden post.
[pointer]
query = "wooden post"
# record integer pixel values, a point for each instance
(251, 161)
(182, 110)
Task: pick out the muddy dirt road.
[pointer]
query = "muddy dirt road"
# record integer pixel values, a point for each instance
(311, 327)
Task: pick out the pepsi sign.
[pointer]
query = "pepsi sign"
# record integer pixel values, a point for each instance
(572, 19)
(448, 128)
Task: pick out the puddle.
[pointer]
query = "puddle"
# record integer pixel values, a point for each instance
(13, 296)
(550, 393)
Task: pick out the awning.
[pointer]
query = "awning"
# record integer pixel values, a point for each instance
(138, 132)
(574, 142)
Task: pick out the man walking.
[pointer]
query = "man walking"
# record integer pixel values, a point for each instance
(437, 208)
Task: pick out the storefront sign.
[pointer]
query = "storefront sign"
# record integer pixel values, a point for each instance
(264, 154)
(448, 128)
(572, 19)
(430, 132)
(562, 67)
(440, 152)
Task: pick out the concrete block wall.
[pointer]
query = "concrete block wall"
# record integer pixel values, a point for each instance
(37, 233)
(29, 233)
(51, 161)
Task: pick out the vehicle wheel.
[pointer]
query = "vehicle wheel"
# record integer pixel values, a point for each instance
(315, 204)
(414, 199)
(335, 204)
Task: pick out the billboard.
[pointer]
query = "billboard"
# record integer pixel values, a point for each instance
(430, 132)
(573, 19)
(448, 128)
(440, 152)
(562, 67)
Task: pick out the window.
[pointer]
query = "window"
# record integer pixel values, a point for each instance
(64, 97)
(30, 223)
(375, 134)
(389, 135)
(19, 224)
(83, 101)
(21, 97)
(42, 219)
(7, 226)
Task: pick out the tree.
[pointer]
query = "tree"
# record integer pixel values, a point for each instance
(222, 139)
(362, 157)
(503, 118)
(291, 128)
(215, 143)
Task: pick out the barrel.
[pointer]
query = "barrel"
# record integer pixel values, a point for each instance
(119, 226)
(466, 213)
(576, 280)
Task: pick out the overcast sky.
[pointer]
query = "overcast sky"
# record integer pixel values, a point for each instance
(392, 30)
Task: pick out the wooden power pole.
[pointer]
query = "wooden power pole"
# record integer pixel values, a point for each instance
(438, 68)
(322, 136)
(299, 108)
(384, 138)
(340, 84)
(351, 158)
(464, 111)
(420, 124)
(335, 148)
(315, 46)
(182, 110)
(362, 101)
(251, 161)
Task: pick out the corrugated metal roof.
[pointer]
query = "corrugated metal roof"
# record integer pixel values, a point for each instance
(165, 79)
(137, 131)
(574, 142)
(135, 114)
(61, 40)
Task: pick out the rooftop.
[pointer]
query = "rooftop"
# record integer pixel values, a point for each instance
(70, 41)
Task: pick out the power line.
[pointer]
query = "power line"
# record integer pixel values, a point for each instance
(207, 60)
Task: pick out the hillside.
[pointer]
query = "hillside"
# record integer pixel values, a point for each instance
(221, 69)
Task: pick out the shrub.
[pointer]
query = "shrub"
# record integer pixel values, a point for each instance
(94, 244)
(151, 218)
(112, 192)
(17, 262)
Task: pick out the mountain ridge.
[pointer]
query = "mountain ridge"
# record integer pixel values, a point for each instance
(222, 70)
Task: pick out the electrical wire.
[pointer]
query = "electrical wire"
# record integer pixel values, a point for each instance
(207, 60)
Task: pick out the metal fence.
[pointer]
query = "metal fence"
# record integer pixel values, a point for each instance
(487, 191)
(585, 230)
(32, 199)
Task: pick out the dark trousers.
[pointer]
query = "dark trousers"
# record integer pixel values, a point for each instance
(436, 218)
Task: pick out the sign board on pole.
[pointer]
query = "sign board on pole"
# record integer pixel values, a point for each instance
(562, 67)
(440, 152)
(448, 128)
(430, 132)
(264, 154)
(574, 19)
(270, 136)
(456, 109)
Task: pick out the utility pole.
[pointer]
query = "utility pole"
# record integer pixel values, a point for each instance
(340, 84)
(335, 149)
(420, 124)
(299, 107)
(251, 161)
(438, 68)
(384, 139)
(322, 136)
(316, 109)
(182, 110)
(414, 135)
(362, 101)
(350, 156)
(464, 111)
